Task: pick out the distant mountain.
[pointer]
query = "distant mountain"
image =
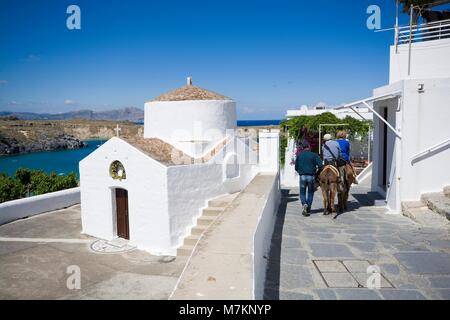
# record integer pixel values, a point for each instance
(126, 114)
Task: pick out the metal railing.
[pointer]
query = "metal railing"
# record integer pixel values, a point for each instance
(423, 32)
(441, 145)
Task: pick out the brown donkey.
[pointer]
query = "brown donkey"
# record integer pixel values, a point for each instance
(349, 180)
(329, 181)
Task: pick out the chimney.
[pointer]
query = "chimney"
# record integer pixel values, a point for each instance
(189, 81)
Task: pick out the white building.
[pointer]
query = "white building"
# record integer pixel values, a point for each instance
(412, 117)
(340, 113)
(150, 190)
(411, 138)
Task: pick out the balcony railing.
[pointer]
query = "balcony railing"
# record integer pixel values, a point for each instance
(423, 32)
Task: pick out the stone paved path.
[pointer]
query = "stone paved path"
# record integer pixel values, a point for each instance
(321, 258)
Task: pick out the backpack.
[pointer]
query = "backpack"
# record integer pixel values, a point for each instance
(339, 161)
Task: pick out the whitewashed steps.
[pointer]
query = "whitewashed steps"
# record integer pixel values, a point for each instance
(205, 220)
(222, 201)
(191, 240)
(209, 214)
(185, 250)
(213, 212)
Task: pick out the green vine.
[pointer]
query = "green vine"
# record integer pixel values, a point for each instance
(307, 127)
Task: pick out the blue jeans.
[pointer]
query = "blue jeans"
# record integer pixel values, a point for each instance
(307, 186)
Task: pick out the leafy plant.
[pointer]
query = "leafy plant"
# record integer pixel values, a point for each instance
(26, 182)
(10, 188)
(307, 128)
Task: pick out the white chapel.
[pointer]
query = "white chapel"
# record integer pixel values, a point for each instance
(150, 190)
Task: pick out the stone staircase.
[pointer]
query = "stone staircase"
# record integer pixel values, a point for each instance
(209, 214)
(432, 210)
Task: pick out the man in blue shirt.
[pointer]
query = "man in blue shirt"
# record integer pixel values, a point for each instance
(307, 164)
(341, 137)
(344, 144)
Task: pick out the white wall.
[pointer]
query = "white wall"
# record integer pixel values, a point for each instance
(146, 184)
(426, 122)
(269, 146)
(429, 59)
(192, 186)
(289, 177)
(27, 207)
(262, 238)
(423, 121)
(190, 120)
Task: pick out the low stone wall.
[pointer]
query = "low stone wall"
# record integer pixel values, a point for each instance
(262, 239)
(27, 207)
(228, 261)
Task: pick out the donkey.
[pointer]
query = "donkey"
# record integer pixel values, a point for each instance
(329, 181)
(350, 179)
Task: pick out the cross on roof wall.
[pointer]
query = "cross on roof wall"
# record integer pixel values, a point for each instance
(117, 130)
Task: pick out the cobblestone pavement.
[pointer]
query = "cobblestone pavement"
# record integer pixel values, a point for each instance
(317, 257)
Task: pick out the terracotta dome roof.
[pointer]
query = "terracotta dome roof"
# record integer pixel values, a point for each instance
(190, 92)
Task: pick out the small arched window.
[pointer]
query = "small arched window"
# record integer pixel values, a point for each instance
(117, 171)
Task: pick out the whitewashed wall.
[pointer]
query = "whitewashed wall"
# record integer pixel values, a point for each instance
(289, 177)
(192, 186)
(422, 120)
(147, 196)
(190, 120)
(429, 59)
(263, 236)
(426, 119)
(269, 145)
(27, 207)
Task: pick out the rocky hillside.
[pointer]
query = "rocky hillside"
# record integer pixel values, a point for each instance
(126, 114)
(20, 136)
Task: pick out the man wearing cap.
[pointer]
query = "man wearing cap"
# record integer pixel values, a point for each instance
(307, 164)
(331, 150)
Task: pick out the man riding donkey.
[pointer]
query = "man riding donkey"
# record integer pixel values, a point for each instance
(338, 174)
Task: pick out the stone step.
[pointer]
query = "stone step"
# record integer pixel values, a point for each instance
(198, 230)
(222, 201)
(412, 205)
(212, 212)
(447, 191)
(424, 216)
(185, 250)
(205, 220)
(438, 203)
(191, 240)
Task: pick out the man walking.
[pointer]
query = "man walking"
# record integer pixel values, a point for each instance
(307, 165)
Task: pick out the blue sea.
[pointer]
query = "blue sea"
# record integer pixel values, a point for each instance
(258, 123)
(60, 161)
(66, 161)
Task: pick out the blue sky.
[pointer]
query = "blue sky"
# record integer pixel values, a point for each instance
(268, 55)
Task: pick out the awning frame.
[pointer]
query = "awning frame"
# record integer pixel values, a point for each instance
(371, 100)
